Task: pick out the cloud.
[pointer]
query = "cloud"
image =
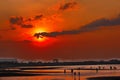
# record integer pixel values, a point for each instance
(37, 17)
(95, 25)
(23, 22)
(68, 5)
(55, 34)
(16, 20)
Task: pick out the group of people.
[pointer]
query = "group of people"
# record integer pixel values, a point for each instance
(103, 68)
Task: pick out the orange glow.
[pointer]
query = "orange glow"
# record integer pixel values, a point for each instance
(46, 24)
(37, 30)
(40, 41)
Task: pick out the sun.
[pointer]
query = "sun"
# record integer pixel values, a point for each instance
(37, 30)
(41, 41)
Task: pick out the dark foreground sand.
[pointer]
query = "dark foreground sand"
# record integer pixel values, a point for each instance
(18, 74)
(105, 78)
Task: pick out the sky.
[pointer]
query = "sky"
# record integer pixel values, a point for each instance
(62, 29)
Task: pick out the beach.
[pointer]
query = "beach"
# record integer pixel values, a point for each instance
(61, 73)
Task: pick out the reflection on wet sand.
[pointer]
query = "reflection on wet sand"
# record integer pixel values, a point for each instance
(62, 73)
(105, 78)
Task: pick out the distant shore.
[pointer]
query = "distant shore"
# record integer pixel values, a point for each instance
(4, 63)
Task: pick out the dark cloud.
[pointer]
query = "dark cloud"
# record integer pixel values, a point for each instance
(38, 17)
(23, 22)
(54, 34)
(95, 25)
(68, 5)
(101, 23)
(29, 20)
(16, 20)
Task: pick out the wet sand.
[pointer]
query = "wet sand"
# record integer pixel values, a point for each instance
(18, 74)
(105, 78)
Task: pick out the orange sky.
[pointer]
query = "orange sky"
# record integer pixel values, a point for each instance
(21, 19)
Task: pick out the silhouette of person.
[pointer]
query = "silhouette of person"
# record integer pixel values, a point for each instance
(103, 67)
(99, 67)
(79, 75)
(74, 75)
(96, 70)
(110, 67)
(115, 68)
(64, 70)
(71, 70)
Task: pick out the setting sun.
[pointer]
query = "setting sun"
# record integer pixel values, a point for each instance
(40, 39)
(37, 30)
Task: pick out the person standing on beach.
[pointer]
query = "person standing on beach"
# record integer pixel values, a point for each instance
(96, 70)
(79, 75)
